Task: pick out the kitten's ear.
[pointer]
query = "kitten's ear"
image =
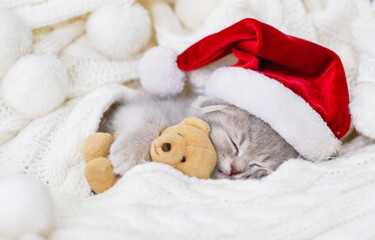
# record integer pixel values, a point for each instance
(209, 104)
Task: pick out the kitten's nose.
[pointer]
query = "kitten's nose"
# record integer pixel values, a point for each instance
(234, 171)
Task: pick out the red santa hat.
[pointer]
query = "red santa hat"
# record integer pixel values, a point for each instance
(296, 86)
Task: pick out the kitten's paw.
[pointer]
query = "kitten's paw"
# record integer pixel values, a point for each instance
(119, 164)
(126, 154)
(121, 159)
(257, 172)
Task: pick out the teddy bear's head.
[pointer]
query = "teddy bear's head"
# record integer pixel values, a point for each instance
(187, 147)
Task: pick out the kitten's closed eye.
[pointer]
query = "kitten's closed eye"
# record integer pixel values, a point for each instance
(236, 151)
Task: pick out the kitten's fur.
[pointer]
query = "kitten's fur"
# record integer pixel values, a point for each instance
(246, 146)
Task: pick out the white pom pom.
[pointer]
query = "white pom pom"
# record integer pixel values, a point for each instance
(25, 205)
(193, 17)
(15, 40)
(159, 72)
(35, 85)
(119, 32)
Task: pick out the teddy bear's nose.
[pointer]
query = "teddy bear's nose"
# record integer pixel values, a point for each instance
(166, 147)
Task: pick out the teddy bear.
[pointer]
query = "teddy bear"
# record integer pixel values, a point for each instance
(186, 146)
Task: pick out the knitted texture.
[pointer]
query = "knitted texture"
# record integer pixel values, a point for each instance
(51, 12)
(10, 122)
(301, 200)
(51, 40)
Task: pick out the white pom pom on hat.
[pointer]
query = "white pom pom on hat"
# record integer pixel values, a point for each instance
(26, 207)
(15, 40)
(159, 72)
(35, 85)
(119, 32)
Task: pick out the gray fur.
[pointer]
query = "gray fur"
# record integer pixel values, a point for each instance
(246, 146)
(260, 149)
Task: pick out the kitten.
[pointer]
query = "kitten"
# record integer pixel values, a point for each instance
(246, 146)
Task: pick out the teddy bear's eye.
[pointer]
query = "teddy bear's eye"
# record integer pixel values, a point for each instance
(166, 147)
(183, 159)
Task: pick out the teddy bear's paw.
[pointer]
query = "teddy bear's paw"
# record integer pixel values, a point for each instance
(96, 145)
(99, 174)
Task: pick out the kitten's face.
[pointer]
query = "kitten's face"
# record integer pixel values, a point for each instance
(246, 146)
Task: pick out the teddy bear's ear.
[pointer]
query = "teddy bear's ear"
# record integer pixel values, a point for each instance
(198, 123)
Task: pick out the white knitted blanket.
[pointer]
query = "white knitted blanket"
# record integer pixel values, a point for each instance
(301, 200)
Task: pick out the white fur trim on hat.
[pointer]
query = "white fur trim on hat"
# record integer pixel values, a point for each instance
(159, 72)
(286, 112)
(362, 109)
(362, 105)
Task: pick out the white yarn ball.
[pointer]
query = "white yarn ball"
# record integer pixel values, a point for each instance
(26, 207)
(159, 72)
(119, 32)
(15, 40)
(35, 85)
(193, 13)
